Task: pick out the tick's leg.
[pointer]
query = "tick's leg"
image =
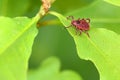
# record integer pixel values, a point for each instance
(87, 34)
(70, 17)
(83, 19)
(80, 32)
(68, 26)
(78, 19)
(88, 20)
(76, 31)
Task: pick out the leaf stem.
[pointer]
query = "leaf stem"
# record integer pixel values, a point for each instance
(46, 4)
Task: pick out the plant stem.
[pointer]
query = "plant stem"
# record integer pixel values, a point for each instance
(46, 4)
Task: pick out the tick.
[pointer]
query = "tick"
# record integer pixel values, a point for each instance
(82, 25)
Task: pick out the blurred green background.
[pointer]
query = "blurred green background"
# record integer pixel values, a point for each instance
(52, 40)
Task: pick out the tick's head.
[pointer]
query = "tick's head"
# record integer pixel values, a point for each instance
(75, 22)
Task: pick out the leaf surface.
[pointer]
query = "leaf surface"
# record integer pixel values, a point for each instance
(50, 70)
(102, 48)
(114, 2)
(17, 36)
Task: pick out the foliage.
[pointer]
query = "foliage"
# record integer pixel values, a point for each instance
(85, 58)
(15, 47)
(114, 2)
(99, 48)
(50, 70)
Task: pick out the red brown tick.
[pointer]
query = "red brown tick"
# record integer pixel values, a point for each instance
(80, 24)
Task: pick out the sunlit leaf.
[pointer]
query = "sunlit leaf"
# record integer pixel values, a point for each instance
(102, 48)
(114, 2)
(17, 36)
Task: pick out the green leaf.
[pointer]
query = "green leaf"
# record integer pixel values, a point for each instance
(17, 36)
(101, 14)
(13, 8)
(50, 70)
(69, 5)
(114, 2)
(102, 48)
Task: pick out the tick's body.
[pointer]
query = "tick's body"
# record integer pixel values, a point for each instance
(80, 24)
